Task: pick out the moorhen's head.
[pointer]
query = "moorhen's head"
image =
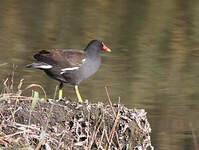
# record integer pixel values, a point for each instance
(96, 46)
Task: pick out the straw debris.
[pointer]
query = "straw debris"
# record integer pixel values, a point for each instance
(71, 125)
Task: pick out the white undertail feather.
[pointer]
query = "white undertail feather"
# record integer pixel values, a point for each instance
(43, 67)
(39, 66)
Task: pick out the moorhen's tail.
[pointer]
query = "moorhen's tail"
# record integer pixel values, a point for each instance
(46, 56)
(29, 66)
(39, 65)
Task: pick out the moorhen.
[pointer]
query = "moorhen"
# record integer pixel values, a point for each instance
(70, 66)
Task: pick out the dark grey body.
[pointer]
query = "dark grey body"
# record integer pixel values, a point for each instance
(87, 69)
(77, 64)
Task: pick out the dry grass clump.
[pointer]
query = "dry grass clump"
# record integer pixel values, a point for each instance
(29, 123)
(73, 125)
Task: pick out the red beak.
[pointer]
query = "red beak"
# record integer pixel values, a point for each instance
(106, 48)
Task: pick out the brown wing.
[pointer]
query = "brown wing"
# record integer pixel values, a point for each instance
(61, 58)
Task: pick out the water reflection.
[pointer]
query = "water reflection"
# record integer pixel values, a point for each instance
(154, 63)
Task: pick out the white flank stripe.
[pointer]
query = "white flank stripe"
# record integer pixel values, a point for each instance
(68, 69)
(44, 67)
(83, 60)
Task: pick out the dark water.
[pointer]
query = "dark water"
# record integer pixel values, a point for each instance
(154, 64)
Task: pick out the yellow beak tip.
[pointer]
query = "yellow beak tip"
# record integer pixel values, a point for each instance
(108, 50)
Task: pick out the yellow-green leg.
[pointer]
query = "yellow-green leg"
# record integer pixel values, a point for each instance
(60, 90)
(78, 94)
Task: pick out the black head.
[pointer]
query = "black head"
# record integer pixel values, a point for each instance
(97, 45)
